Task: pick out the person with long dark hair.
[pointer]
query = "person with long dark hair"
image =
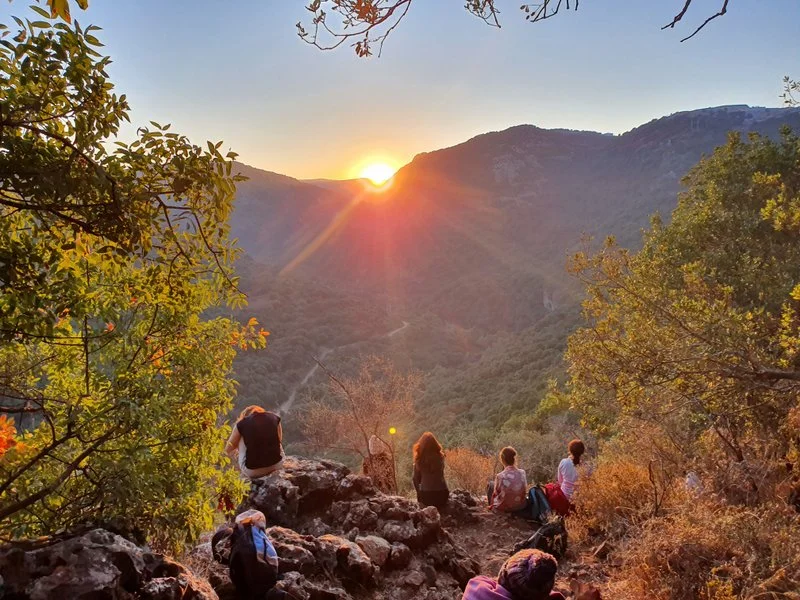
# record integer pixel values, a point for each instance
(428, 477)
(567, 468)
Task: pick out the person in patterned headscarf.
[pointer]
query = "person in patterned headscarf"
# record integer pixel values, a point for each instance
(527, 575)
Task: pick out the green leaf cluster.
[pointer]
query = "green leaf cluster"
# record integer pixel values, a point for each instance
(110, 256)
(698, 334)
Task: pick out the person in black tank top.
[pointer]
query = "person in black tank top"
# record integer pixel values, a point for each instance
(256, 441)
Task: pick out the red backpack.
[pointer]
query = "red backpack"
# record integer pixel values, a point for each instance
(559, 503)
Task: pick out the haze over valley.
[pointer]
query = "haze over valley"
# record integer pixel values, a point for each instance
(469, 246)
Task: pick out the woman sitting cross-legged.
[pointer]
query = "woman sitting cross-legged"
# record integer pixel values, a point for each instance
(509, 491)
(527, 575)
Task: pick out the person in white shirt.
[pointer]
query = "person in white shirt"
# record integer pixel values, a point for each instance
(567, 468)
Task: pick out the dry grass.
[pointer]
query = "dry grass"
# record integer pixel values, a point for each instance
(468, 470)
(713, 552)
(619, 495)
(707, 547)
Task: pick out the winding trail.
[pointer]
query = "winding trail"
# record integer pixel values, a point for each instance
(324, 352)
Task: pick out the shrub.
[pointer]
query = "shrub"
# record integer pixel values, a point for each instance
(711, 551)
(621, 493)
(468, 470)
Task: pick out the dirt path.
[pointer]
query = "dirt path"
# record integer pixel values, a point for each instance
(492, 538)
(324, 352)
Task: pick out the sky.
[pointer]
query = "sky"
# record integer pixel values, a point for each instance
(235, 70)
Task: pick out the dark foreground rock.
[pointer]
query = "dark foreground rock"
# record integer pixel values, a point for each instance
(98, 565)
(338, 537)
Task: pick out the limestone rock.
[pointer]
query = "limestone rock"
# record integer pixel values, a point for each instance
(377, 548)
(414, 579)
(400, 556)
(98, 565)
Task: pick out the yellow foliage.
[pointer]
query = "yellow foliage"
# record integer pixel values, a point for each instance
(468, 470)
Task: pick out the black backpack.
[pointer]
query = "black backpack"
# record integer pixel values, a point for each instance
(251, 574)
(550, 537)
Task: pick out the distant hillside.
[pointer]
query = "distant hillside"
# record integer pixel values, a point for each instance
(471, 239)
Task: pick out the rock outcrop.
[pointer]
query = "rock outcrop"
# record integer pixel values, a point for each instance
(338, 537)
(98, 565)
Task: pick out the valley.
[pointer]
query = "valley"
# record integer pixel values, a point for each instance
(469, 246)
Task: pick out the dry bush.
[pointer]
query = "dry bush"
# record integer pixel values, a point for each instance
(468, 470)
(355, 408)
(711, 551)
(761, 477)
(620, 494)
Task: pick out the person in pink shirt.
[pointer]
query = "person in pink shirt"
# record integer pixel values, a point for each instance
(527, 575)
(509, 492)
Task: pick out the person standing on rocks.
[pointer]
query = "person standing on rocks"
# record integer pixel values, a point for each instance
(428, 476)
(527, 575)
(256, 442)
(379, 465)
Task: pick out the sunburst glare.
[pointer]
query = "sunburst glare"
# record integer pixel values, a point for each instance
(378, 172)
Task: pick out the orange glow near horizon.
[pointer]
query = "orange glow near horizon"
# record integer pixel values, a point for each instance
(378, 173)
(377, 169)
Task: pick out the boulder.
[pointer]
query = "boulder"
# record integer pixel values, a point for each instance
(400, 556)
(299, 587)
(414, 579)
(353, 563)
(377, 548)
(98, 565)
(302, 487)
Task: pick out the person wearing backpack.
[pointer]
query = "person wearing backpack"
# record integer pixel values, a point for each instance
(250, 556)
(509, 491)
(527, 575)
(256, 442)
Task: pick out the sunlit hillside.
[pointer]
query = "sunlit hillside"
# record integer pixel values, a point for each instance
(469, 245)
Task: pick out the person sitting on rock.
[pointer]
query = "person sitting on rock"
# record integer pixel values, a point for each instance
(567, 469)
(509, 491)
(527, 575)
(379, 465)
(428, 476)
(257, 439)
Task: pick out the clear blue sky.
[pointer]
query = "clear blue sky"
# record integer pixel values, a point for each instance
(235, 70)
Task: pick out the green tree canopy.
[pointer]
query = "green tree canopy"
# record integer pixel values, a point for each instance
(110, 253)
(699, 334)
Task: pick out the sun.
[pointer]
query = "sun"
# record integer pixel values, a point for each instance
(378, 172)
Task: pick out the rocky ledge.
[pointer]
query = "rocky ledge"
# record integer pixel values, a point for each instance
(338, 537)
(97, 565)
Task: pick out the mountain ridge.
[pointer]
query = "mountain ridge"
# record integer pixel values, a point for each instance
(469, 244)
